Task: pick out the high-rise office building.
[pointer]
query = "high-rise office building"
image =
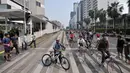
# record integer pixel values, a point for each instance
(103, 4)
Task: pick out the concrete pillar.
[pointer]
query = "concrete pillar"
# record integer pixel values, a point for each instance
(31, 26)
(41, 27)
(6, 24)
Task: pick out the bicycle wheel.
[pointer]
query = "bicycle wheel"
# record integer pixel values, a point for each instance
(46, 60)
(91, 50)
(113, 67)
(65, 63)
(98, 56)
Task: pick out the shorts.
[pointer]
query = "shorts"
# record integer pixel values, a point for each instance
(7, 50)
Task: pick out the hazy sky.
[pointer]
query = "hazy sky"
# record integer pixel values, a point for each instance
(60, 9)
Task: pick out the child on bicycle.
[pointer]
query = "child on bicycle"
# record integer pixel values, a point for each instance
(57, 47)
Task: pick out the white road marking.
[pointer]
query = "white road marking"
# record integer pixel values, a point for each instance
(124, 70)
(20, 64)
(13, 62)
(85, 66)
(95, 65)
(38, 69)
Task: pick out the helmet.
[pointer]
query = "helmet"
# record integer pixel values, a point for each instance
(98, 35)
(57, 40)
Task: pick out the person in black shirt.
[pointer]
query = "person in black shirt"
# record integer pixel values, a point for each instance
(120, 45)
(15, 43)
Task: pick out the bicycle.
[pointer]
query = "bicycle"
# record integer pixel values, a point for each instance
(48, 59)
(98, 55)
(81, 51)
(112, 66)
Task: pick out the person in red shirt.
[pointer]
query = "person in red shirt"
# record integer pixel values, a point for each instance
(71, 36)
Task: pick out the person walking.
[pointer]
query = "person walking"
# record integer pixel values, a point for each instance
(33, 41)
(120, 45)
(127, 51)
(24, 43)
(6, 42)
(15, 43)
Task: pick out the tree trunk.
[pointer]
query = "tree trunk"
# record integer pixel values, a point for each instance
(129, 10)
(124, 27)
(114, 20)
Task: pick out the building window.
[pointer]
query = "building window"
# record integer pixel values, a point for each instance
(38, 4)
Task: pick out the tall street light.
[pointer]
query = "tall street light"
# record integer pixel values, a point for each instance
(25, 24)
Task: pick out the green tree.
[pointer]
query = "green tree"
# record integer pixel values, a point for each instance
(87, 20)
(128, 2)
(94, 15)
(114, 11)
(91, 14)
(80, 23)
(102, 16)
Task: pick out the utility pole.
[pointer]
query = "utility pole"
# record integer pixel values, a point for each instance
(94, 19)
(25, 25)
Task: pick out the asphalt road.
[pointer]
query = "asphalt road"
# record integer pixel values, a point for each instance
(30, 61)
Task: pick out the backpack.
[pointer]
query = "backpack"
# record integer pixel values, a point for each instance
(102, 44)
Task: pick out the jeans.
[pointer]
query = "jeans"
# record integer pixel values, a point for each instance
(56, 55)
(16, 47)
(104, 57)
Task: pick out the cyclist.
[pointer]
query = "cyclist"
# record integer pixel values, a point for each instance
(80, 42)
(103, 47)
(98, 39)
(71, 36)
(57, 47)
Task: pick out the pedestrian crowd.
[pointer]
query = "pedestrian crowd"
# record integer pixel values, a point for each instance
(10, 44)
(103, 44)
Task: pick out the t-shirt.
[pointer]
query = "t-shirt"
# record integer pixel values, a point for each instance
(57, 46)
(71, 35)
(103, 44)
(6, 42)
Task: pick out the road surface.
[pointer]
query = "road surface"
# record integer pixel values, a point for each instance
(30, 61)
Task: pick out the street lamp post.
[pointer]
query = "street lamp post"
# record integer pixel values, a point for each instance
(25, 25)
(94, 19)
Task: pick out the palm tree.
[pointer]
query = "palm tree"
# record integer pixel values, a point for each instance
(102, 16)
(87, 20)
(114, 11)
(128, 2)
(94, 14)
(80, 23)
(91, 14)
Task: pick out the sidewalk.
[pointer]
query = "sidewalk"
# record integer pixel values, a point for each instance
(38, 40)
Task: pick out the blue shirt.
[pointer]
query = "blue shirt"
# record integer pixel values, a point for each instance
(6, 41)
(57, 46)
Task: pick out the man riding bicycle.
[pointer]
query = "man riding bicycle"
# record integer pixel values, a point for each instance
(71, 36)
(103, 47)
(57, 47)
